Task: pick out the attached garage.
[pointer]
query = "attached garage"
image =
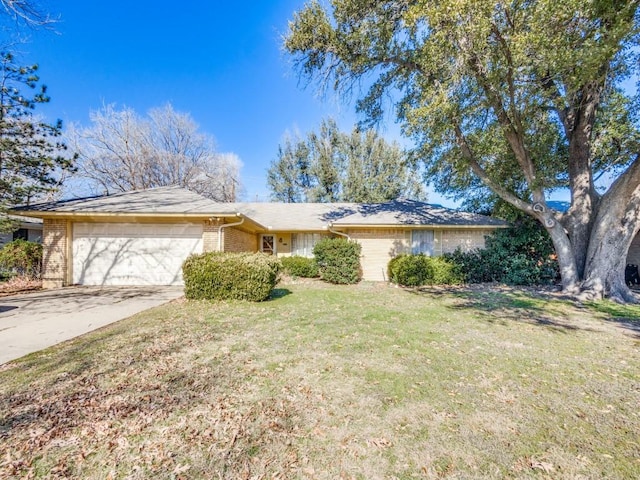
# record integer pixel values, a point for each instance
(132, 253)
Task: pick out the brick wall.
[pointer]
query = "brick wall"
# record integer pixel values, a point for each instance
(210, 235)
(54, 262)
(381, 245)
(467, 240)
(238, 241)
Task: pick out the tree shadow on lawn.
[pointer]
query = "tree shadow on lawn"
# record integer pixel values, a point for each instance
(627, 316)
(500, 304)
(278, 293)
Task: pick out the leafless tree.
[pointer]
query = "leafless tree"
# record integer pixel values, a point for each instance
(122, 151)
(26, 12)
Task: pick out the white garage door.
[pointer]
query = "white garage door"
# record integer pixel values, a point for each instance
(132, 254)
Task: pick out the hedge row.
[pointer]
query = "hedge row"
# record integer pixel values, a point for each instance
(519, 255)
(230, 276)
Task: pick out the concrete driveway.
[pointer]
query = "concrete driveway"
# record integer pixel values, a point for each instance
(32, 321)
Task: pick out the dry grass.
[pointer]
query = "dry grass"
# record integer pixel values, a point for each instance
(327, 382)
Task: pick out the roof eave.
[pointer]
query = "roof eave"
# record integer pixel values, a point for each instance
(257, 225)
(134, 215)
(89, 213)
(415, 225)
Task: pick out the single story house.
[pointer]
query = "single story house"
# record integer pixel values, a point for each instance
(28, 229)
(142, 237)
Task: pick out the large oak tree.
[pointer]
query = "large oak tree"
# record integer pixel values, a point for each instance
(519, 97)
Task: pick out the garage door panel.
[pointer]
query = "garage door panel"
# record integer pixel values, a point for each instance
(133, 254)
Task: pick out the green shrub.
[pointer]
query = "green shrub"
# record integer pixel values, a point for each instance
(476, 266)
(338, 260)
(445, 272)
(21, 257)
(230, 276)
(520, 255)
(416, 270)
(298, 266)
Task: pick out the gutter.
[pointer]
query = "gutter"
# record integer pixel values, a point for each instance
(408, 226)
(225, 225)
(338, 233)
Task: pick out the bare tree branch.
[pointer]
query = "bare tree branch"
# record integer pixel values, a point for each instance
(122, 151)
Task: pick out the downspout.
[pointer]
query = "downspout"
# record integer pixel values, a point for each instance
(225, 225)
(339, 233)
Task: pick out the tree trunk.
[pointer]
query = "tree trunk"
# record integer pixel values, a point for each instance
(566, 256)
(616, 225)
(604, 274)
(584, 198)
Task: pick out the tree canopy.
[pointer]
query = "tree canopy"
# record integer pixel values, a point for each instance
(334, 166)
(516, 98)
(32, 158)
(123, 151)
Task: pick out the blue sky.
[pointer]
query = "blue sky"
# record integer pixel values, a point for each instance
(220, 61)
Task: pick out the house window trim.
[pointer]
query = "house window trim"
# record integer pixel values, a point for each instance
(415, 250)
(274, 243)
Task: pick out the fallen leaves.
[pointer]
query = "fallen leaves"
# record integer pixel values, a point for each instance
(242, 392)
(382, 443)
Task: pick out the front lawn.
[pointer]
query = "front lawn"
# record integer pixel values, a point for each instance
(325, 382)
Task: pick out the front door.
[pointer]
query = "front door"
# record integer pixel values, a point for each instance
(268, 244)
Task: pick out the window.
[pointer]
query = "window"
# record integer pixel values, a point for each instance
(268, 244)
(21, 234)
(302, 243)
(422, 242)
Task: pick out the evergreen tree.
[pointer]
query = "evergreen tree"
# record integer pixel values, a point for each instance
(31, 160)
(333, 166)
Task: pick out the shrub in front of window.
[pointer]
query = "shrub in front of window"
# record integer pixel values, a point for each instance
(520, 255)
(22, 258)
(417, 270)
(338, 260)
(298, 266)
(230, 276)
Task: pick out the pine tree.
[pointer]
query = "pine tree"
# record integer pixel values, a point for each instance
(30, 150)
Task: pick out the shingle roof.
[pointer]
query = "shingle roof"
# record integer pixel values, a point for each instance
(318, 216)
(168, 200)
(295, 216)
(273, 216)
(411, 212)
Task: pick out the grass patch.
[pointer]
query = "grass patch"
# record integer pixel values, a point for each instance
(365, 381)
